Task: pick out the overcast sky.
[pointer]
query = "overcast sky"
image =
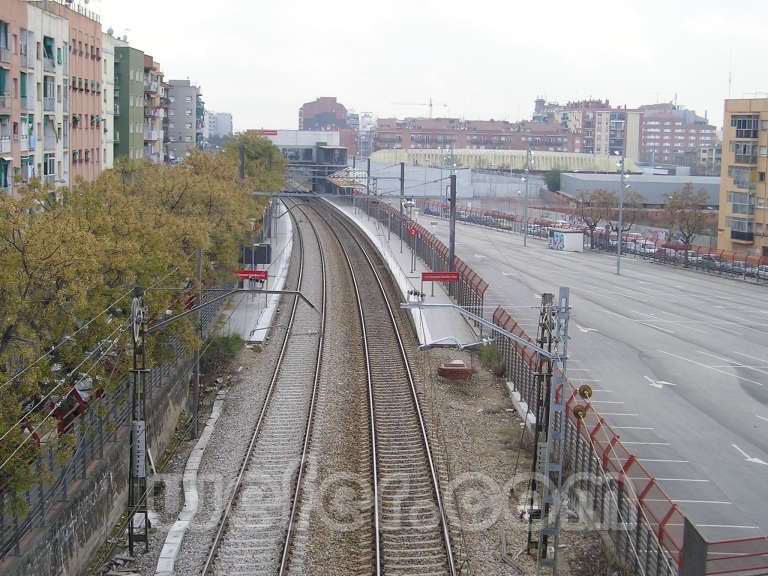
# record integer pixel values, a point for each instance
(260, 60)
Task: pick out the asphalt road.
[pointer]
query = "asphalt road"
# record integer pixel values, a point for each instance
(678, 361)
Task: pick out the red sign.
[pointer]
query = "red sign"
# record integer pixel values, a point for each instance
(256, 274)
(266, 132)
(439, 276)
(413, 232)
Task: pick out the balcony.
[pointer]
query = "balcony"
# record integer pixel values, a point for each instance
(117, 109)
(6, 190)
(4, 101)
(25, 61)
(745, 158)
(738, 236)
(49, 104)
(5, 54)
(150, 86)
(66, 139)
(49, 65)
(65, 103)
(50, 142)
(24, 143)
(5, 145)
(49, 179)
(26, 103)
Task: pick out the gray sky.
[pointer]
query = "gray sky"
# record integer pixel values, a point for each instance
(484, 59)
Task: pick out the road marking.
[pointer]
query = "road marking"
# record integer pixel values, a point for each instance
(595, 391)
(605, 402)
(682, 480)
(670, 332)
(758, 415)
(736, 364)
(725, 526)
(662, 460)
(748, 458)
(585, 380)
(658, 383)
(617, 414)
(647, 443)
(710, 367)
(631, 427)
(578, 369)
(585, 330)
(752, 357)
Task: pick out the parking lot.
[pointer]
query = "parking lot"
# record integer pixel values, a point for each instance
(676, 357)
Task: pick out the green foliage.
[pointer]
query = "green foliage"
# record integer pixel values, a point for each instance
(552, 178)
(228, 345)
(67, 255)
(492, 359)
(264, 164)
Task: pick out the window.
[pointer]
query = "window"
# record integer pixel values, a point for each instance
(764, 125)
(740, 224)
(743, 203)
(746, 125)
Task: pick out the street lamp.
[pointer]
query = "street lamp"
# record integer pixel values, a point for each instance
(528, 162)
(620, 165)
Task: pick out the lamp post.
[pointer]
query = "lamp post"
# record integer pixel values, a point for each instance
(620, 165)
(528, 162)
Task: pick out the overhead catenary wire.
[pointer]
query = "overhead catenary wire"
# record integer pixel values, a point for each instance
(28, 436)
(69, 337)
(121, 328)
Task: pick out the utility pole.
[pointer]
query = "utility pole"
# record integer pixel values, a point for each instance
(452, 233)
(368, 177)
(137, 475)
(354, 159)
(402, 199)
(196, 390)
(525, 204)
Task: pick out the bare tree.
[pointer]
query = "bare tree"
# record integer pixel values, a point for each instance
(633, 203)
(594, 207)
(686, 211)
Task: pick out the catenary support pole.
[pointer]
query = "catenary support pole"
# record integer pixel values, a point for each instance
(452, 233)
(402, 200)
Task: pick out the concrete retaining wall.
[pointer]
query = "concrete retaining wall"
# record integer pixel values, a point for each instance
(74, 529)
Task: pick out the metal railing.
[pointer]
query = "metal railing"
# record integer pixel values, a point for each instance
(98, 428)
(469, 292)
(5, 144)
(49, 179)
(49, 103)
(699, 258)
(4, 101)
(49, 65)
(5, 54)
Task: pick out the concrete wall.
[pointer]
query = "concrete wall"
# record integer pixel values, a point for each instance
(76, 528)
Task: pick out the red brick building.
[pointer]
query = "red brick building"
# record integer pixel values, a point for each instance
(325, 113)
(668, 131)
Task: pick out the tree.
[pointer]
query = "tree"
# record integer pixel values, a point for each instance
(69, 258)
(594, 207)
(552, 178)
(264, 164)
(633, 203)
(686, 211)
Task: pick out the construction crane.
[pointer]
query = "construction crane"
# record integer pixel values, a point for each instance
(429, 104)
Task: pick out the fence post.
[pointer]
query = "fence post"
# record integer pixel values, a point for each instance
(694, 557)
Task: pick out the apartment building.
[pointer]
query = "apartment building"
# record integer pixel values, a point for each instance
(668, 130)
(153, 110)
(182, 119)
(220, 124)
(165, 88)
(50, 110)
(201, 138)
(85, 69)
(129, 102)
(108, 44)
(743, 220)
(17, 65)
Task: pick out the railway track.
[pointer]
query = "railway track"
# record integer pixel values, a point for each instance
(410, 532)
(255, 531)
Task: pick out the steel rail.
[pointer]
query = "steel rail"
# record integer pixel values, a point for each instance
(257, 429)
(414, 396)
(310, 416)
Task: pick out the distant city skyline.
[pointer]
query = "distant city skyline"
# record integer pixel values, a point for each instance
(262, 61)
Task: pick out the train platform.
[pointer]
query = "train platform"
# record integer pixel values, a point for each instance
(251, 315)
(433, 327)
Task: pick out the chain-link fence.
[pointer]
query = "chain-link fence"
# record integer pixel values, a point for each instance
(96, 427)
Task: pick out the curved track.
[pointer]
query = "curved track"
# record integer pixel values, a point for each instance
(254, 533)
(410, 530)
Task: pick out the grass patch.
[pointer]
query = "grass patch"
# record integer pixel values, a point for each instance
(228, 345)
(492, 359)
